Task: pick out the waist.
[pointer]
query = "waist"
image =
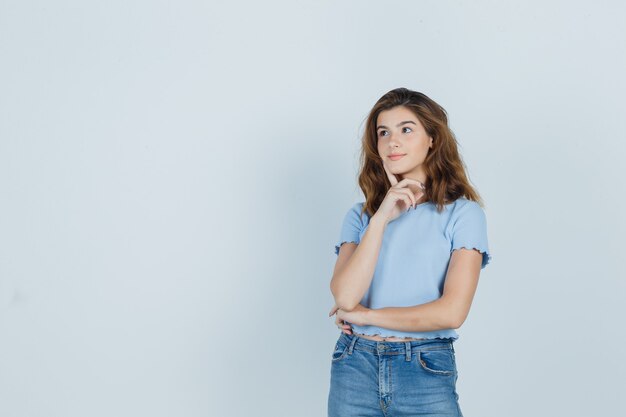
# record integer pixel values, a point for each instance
(379, 338)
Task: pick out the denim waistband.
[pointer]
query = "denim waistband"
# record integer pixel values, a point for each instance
(356, 342)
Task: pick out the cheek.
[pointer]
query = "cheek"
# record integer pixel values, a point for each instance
(422, 147)
(417, 147)
(419, 153)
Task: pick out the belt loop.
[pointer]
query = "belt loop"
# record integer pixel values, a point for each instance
(407, 350)
(351, 347)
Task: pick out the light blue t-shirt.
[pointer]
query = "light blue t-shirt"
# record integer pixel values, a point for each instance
(414, 256)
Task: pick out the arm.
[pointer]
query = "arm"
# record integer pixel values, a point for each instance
(355, 266)
(447, 312)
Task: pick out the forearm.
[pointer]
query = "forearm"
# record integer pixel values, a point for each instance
(434, 315)
(350, 284)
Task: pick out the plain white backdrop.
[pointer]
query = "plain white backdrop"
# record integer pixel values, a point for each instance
(173, 177)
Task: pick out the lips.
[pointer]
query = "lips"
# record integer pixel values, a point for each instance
(396, 157)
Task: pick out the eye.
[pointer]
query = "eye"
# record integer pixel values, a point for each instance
(408, 128)
(381, 133)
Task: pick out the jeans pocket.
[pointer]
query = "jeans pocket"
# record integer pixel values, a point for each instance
(340, 352)
(437, 361)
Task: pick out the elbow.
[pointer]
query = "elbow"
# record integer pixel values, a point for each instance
(345, 304)
(341, 300)
(334, 291)
(454, 314)
(455, 323)
(457, 320)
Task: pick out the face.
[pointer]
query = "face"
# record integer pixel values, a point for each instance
(399, 131)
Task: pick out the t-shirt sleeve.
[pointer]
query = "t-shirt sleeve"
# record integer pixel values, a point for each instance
(470, 231)
(351, 226)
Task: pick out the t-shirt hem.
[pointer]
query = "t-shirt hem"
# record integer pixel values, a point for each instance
(412, 335)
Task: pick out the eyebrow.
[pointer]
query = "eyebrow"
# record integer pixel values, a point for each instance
(398, 125)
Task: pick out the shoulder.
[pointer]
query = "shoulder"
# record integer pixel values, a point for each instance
(358, 205)
(465, 209)
(353, 224)
(463, 204)
(354, 216)
(356, 210)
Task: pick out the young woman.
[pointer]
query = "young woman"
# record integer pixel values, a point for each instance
(408, 263)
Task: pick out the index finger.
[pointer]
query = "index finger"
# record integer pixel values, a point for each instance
(392, 178)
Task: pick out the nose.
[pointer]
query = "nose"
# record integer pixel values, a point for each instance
(392, 141)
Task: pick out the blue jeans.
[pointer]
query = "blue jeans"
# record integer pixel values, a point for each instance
(393, 379)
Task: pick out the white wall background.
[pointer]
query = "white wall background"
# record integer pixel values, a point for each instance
(173, 177)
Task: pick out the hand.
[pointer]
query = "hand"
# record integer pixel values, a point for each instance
(345, 328)
(356, 316)
(406, 191)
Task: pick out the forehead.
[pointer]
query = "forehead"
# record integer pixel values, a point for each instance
(394, 116)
